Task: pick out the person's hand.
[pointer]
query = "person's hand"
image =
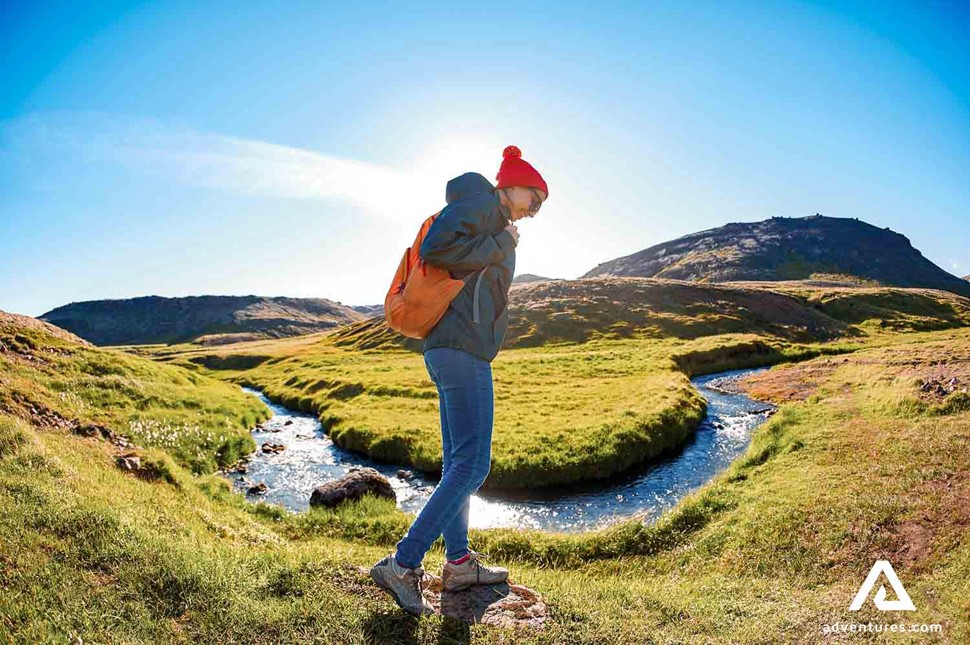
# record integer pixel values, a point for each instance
(514, 230)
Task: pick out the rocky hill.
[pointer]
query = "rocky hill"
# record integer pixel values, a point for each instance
(787, 248)
(203, 319)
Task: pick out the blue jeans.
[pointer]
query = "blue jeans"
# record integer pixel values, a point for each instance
(466, 407)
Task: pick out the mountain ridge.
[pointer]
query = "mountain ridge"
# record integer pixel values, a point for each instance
(787, 248)
(207, 319)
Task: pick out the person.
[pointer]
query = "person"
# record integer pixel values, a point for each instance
(474, 236)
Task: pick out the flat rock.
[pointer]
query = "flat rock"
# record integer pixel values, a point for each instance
(352, 486)
(506, 605)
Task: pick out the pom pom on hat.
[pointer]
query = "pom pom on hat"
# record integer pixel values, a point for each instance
(516, 171)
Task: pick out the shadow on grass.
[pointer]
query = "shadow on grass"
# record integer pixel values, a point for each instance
(400, 627)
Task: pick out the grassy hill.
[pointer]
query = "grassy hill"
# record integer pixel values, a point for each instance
(863, 463)
(60, 381)
(613, 308)
(787, 248)
(207, 320)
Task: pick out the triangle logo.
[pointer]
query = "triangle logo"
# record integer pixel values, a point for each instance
(902, 603)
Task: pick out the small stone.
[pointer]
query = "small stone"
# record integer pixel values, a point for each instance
(129, 463)
(258, 489)
(87, 430)
(273, 448)
(289, 422)
(404, 474)
(94, 430)
(761, 411)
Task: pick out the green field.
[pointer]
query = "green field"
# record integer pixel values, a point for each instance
(864, 463)
(568, 412)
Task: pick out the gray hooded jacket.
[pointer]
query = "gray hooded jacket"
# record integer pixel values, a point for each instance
(469, 239)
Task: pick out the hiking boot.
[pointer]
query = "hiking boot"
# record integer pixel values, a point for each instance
(455, 577)
(405, 585)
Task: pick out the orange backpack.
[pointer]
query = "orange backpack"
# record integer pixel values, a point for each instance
(420, 293)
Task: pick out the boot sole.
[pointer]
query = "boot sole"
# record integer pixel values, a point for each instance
(378, 577)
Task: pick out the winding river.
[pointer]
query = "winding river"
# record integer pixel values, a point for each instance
(311, 458)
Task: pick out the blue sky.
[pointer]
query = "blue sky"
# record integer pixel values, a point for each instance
(187, 148)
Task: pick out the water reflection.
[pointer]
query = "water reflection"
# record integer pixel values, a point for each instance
(311, 458)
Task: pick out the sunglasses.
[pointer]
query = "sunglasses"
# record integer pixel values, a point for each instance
(536, 202)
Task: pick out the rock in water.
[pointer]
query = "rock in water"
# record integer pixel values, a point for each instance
(352, 486)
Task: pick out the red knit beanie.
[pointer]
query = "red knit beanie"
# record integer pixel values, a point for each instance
(516, 171)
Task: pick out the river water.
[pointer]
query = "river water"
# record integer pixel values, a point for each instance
(311, 458)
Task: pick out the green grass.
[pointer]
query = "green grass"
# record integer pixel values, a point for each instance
(896, 309)
(768, 551)
(563, 413)
(608, 393)
(202, 422)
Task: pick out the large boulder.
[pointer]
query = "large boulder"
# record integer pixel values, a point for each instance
(352, 486)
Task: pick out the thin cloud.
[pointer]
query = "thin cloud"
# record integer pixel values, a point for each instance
(205, 159)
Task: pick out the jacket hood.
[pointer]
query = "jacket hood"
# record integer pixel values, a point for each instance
(467, 184)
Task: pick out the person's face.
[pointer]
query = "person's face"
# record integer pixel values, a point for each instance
(524, 201)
